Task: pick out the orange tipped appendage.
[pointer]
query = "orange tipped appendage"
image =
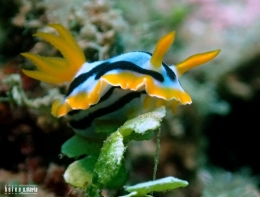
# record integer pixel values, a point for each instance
(195, 60)
(161, 48)
(53, 69)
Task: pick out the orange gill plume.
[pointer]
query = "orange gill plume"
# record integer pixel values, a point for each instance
(55, 69)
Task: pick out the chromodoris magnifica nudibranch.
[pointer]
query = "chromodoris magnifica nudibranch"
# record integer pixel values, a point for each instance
(103, 88)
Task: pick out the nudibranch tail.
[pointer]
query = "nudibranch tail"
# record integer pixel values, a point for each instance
(161, 48)
(57, 70)
(81, 100)
(195, 60)
(60, 108)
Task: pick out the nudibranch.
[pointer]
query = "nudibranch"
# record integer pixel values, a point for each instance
(121, 86)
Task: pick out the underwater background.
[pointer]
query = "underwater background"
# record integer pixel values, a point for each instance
(212, 143)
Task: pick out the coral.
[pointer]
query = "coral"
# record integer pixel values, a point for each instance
(95, 24)
(99, 34)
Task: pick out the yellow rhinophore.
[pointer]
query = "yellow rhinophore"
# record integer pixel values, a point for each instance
(195, 60)
(161, 48)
